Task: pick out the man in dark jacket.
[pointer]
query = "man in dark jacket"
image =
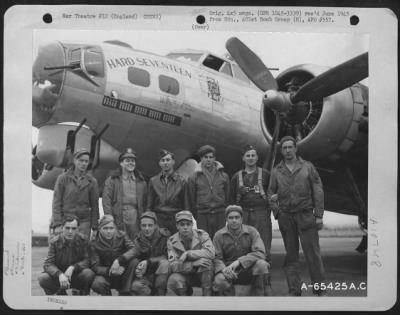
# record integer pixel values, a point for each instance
(112, 259)
(239, 256)
(296, 198)
(167, 193)
(76, 193)
(150, 248)
(124, 194)
(208, 191)
(67, 263)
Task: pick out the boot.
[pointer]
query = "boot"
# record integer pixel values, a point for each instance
(258, 285)
(161, 284)
(267, 285)
(206, 282)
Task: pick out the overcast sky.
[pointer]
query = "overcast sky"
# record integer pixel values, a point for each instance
(277, 50)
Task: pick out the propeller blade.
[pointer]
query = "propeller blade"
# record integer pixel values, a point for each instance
(269, 162)
(334, 80)
(251, 65)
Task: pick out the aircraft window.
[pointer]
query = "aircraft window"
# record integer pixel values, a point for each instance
(168, 84)
(226, 68)
(213, 62)
(94, 63)
(185, 57)
(76, 55)
(138, 76)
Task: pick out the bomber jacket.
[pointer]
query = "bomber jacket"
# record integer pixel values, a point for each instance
(247, 247)
(298, 190)
(80, 198)
(205, 196)
(103, 253)
(113, 196)
(168, 198)
(154, 251)
(64, 253)
(201, 247)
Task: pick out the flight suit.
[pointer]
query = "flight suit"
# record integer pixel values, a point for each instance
(300, 200)
(166, 197)
(250, 192)
(183, 274)
(155, 252)
(248, 249)
(208, 199)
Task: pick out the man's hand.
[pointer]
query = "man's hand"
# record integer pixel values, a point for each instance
(202, 262)
(183, 257)
(68, 272)
(274, 198)
(64, 283)
(114, 269)
(229, 273)
(319, 223)
(141, 269)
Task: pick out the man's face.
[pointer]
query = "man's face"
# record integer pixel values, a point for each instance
(81, 163)
(108, 231)
(147, 226)
(288, 150)
(167, 163)
(184, 228)
(128, 164)
(70, 229)
(250, 158)
(234, 220)
(208, 160)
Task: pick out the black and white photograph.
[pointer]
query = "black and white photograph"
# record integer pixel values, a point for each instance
(197, 168)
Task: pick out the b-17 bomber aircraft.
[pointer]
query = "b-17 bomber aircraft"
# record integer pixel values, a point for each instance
(109, 96)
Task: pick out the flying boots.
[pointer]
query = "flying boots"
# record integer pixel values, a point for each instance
(267, 285)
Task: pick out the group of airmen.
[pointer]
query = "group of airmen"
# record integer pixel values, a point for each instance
(146, 243)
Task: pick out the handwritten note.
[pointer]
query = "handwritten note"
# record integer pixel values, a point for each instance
(14, 260)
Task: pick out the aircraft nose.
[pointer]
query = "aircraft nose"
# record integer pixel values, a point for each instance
(47, 81)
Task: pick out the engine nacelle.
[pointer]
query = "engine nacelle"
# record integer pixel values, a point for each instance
(54, 153)
(328, 127)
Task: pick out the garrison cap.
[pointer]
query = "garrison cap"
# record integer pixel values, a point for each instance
(232, 208)
(150, 215)
(129, 153)
(164, 152)
(105, 219)
(183, 215)
(287, 138)
(248, 147)
(206, 149)
(81, 152)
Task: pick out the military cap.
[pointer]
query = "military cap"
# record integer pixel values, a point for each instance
(129, 153)
(164, 152)
(183, 215)
(248, 147)
(287, 138)
(81, 152)
(105, 219)
(150, 215)
(232, 208)
(206, 149)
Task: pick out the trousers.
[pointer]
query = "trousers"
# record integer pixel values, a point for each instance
(294, 226)
(211, 221)
(81, 281)
(260, 218)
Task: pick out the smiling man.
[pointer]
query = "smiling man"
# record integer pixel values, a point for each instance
(167, 193)
(239, 256)
(150, 248)
(124, 194)
(67, 262)
(190, 254)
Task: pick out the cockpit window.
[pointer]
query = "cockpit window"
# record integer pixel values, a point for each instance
(213, 62)
(185, 57)
(226, 68)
